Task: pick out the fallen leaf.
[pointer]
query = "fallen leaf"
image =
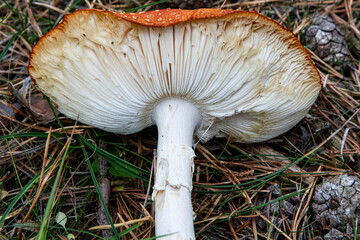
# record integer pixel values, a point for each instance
(61, 219)
(41, 109)
(3, 194)
(71, 236)
(36, 105)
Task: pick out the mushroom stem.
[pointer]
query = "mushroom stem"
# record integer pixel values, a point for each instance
(176, 120)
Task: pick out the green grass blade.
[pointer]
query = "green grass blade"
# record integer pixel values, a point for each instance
(96, 184)
(145, 6)
(54, 113)
(126, 231)
(117, 162)
(42, 235)
(20, 194)
(8, 45)
(132, 152)
(31, 134)
(264, 178)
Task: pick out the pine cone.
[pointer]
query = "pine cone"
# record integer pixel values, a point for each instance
(336, 204)
(327, 41)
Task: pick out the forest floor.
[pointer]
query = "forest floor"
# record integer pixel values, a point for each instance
(53, 169)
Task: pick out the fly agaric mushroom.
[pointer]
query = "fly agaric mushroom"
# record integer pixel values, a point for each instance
(212, 72)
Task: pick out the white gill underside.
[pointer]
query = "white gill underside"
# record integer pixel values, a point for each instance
(111, 74)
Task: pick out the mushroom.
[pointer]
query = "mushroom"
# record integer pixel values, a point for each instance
(209, 72)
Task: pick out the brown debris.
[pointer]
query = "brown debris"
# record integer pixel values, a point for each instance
(105, 189)
(8, 110)
(286, 206)
(37, 105)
